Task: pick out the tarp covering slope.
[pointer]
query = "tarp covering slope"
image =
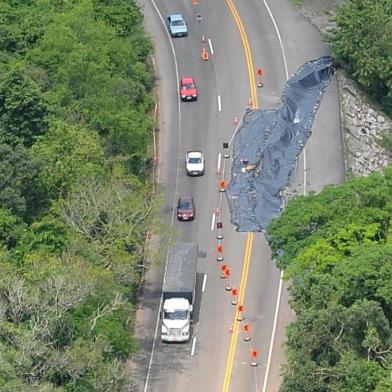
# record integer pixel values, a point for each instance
(267, 145)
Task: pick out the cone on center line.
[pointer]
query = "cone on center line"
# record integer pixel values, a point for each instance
(240, 308)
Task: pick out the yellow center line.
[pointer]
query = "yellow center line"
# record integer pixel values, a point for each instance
(248, 53)
(236, 324)
(250, 236)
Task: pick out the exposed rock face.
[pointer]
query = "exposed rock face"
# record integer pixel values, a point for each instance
(361, 125)
(362, 129)
(319, 12)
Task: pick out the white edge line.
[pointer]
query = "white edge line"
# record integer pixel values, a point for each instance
(204, 283)
(266, 375)
(193, 346)
(305, 171)
(218, 166)
(219, 103)
(273, 333)
(176, 190)
(279, 37)
(235, 130)
(210, 45)
(287, 76)
(213, 221)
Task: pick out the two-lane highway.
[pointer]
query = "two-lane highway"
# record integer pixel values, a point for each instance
(243, 36)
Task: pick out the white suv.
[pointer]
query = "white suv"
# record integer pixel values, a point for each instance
(194, 163)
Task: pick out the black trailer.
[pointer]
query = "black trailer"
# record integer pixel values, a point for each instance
(180, 275)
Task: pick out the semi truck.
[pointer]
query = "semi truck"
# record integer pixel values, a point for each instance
(178, 292)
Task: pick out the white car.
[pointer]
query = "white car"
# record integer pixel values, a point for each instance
(194, 163)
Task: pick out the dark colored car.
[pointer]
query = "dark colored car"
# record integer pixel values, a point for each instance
(186, 208)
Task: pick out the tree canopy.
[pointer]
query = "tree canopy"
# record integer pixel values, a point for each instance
(75, 124)
(336, 249)
(362, 41)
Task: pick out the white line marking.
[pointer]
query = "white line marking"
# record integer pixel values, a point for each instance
(176, 191)
(218, 166)
(266, 375)
(305, 172)
(219, 103)
(210, 45)
(213, 221)
(273, 333)
(235, 130)
(204, 283)
(193, 346)
(279, 37)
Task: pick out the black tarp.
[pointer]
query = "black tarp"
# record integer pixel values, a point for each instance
(267, 145)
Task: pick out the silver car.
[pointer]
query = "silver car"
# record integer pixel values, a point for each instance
(177, 26)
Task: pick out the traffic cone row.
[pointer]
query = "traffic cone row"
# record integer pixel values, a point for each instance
(225, 273)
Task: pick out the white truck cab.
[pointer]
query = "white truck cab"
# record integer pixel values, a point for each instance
(176, 319)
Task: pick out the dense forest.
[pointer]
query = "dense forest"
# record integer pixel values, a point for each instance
(362, 43)
(336, 249)
(75, 200)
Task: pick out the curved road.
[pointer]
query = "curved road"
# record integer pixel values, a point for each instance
(243, 37)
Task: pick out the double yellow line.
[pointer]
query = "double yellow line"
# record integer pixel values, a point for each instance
(250, 236)
(241, 297)
(248, 53)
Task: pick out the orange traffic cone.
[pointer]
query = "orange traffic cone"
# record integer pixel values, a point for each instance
(204, 54)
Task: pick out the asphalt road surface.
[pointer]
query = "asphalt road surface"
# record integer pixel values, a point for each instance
(242, 36)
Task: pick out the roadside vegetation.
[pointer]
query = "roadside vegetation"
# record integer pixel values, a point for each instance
(362, 43)
(75, 198)
(336, 249)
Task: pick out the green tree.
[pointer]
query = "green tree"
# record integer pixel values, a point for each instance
(74, 203)
(362, 41)
(107, 89)
(68, 152)
(11, 228)
(20, 187)
(335, 247)
(23, 109)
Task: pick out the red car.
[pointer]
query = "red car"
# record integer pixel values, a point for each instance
(188, 90)
(186, 208)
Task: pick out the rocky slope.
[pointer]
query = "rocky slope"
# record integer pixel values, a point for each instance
(363, 126)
